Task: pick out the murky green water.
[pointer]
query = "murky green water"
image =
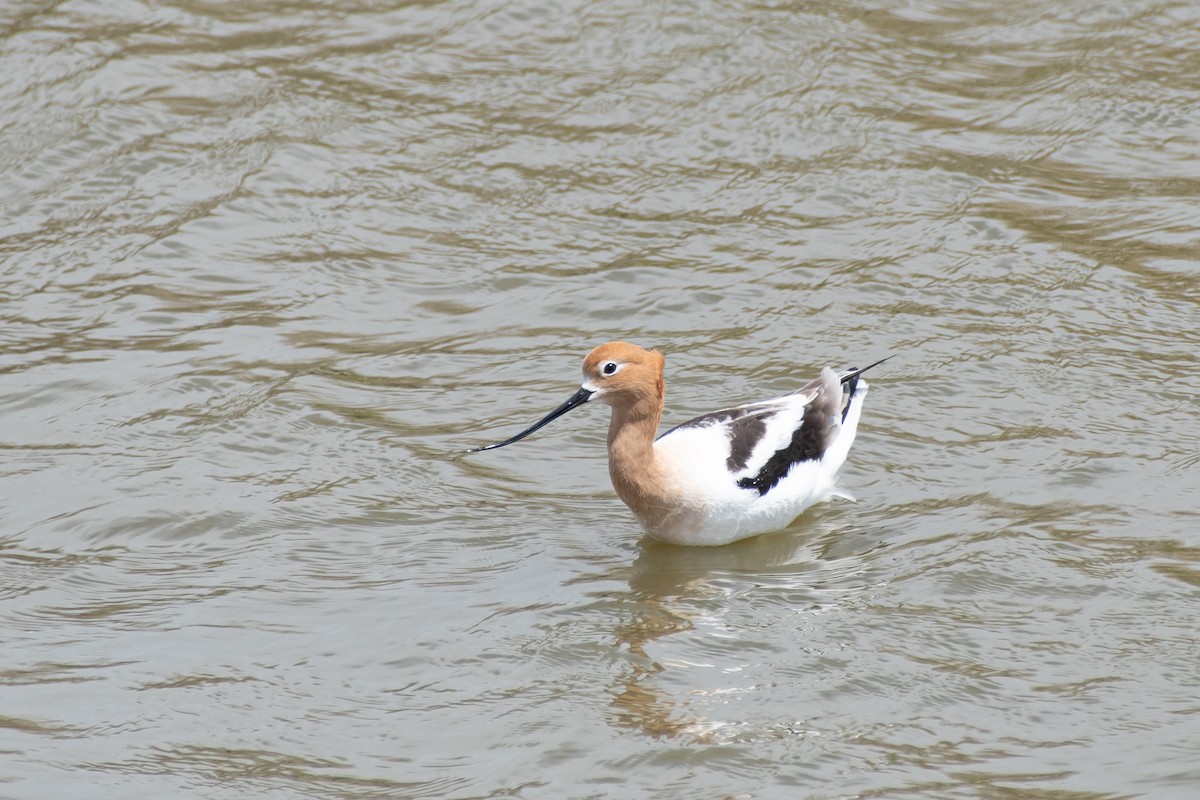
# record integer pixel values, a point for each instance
(268, 268)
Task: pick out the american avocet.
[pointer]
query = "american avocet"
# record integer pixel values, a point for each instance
(722, 476)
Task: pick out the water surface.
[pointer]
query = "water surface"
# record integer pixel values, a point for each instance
(269, 268)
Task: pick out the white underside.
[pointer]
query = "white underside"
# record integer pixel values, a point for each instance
(715, 510)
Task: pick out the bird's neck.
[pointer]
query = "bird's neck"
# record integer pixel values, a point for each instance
(638, 477)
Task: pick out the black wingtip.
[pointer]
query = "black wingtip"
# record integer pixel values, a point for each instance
(853, 373)
(850, 381)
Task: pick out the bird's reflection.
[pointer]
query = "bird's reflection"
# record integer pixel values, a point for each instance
(677, 587)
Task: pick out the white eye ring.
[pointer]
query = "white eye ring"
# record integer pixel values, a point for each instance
(610, 368)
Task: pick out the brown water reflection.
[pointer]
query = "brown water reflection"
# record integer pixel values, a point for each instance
(684, 591)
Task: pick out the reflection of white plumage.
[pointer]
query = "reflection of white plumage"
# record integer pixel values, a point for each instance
(723, 476)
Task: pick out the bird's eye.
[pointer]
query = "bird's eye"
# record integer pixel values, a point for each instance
(609, 368)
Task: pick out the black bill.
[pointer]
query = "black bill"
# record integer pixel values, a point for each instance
(577, 399)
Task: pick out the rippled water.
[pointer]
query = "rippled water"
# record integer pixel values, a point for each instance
(268, 268)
